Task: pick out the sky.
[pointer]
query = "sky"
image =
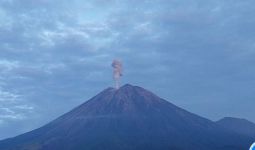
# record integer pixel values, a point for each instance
(55, 55)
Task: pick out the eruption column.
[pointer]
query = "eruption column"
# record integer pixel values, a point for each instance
(117, 72)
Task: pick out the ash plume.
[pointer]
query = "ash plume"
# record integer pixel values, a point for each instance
(117, 72)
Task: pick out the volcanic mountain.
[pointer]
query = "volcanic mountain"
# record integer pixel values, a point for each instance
(130, 118)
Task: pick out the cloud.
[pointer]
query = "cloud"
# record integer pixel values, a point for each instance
(8, 97)
(12, 107)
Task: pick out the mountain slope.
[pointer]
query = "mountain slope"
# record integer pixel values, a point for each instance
(241, 126)
(130, 118)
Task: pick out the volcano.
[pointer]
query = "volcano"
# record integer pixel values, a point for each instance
(130, 118)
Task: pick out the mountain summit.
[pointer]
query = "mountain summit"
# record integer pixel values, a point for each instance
(128, 118)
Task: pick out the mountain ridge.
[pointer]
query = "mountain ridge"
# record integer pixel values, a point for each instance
(238, 125)
(129, 118)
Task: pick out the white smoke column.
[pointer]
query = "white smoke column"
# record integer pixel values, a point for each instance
(117, 72)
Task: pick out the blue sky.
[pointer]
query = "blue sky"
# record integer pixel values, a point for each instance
(55, 55)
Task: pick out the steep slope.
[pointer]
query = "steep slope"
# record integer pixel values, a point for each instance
(130, 118)
(241, 126)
